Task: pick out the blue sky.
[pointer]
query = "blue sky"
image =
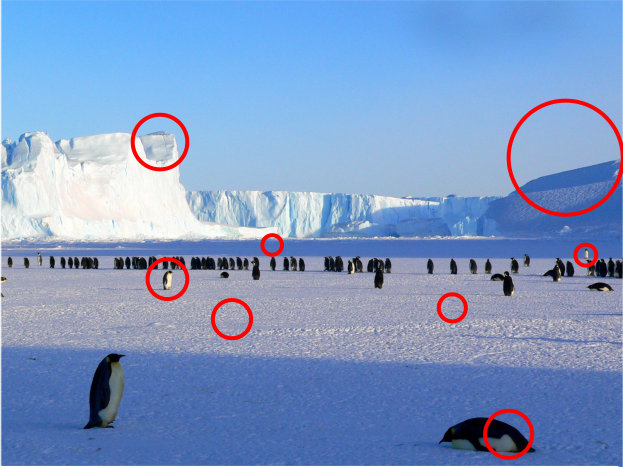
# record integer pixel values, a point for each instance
(393, 98)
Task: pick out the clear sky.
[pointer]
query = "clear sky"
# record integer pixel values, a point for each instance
(393, 98)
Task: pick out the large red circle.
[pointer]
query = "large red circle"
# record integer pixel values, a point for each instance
(166, 167)
(162, 297)
(441, 300)
(577, 250)
(510, 168)
(486, 439)
(237, 336)
(279, 239)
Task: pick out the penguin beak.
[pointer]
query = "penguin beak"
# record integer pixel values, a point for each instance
(121, 356)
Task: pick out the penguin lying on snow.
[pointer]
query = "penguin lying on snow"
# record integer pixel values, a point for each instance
(497, 277)
(469, 435)
(106, 392)
(224, 275)
(600, 287)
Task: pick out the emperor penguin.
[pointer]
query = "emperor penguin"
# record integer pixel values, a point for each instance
(469, 435)
(473, 268)
(39, 259)
(26, 263)
(514, 266)
(351, 267)
(378, 279)
(488, 267)
(167, 280)
(106, 392)
(388, 266)
(570, 269)
(526, 260)
(273, 263)
(508, 286)
(453, 269)
(301, 265)
(10, 262)
(430, 266)
(255, 273)
(600, 287)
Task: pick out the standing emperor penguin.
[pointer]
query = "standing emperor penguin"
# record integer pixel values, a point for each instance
(255, 273)
(378, 279)
(430, 266)
(473, 268)
(508, 286)
(526, 260)
(39, 259)
(514, 266)
(167, 280)
(106, 392)
(273, 263)
(351, 267)
(453, 269)
(488, 267)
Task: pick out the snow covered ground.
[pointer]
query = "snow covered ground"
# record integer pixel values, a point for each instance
(332, 372)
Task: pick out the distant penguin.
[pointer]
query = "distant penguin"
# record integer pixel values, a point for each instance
(273, 263)
(239, 263)
(3, 279)
(603, 268)
(473, 268)
(590, 270)
(245, 264)
(526, 260)
(286, 263)
(96, 263)
(256, 271)
(52, 262)
(10, 262)
(39, 259)
(388, 266)
(430, 266)
(488, 267)
(508, 286)
(70, 262)
(63, 262)
(378, 279)
(351, 267)
(167, 280)
(224, 274)
(570, 269)
(301, 265)
(514, 266)
(618, 269)
(600, 287)
(293, 263)
(453, 269)
(561, 266)
(497, 277)
(232, 264)
(470, 435)
(76, 262)
(326, 263)
(610, 268)
(127, 262)
(26, 263)
(106, 392)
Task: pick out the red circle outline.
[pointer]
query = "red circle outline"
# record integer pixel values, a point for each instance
(486, 439)
(162, 297)
(441, 300)
(512, 176)
(237, 336)
(577, 250)
(166, 167)
(279, 239)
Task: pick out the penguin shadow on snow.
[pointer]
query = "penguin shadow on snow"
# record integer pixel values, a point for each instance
(212, 409)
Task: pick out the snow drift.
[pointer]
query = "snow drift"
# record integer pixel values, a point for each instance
(92, 188)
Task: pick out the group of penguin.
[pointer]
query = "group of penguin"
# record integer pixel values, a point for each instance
(108, 384)
(599, 269)
(84, 263)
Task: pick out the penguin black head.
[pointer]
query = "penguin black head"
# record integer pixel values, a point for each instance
(505, 273)
(448, 437)
(114, 357)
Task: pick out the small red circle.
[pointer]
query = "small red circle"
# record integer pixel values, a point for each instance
(153, 167)
(162, 297)
(577, 250)
(510, 168)
(279, 239)
(239, 302)
(441, 300)
(486, 439)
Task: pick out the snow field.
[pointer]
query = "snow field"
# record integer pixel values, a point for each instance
(332, 372)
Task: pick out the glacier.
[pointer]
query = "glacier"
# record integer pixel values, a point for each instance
(91, 188)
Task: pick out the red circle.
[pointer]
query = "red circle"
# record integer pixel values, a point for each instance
(577, 250)
(460, 297)
(166, 167)
(532, 203)
(162, 297)
(279, 239)
(486, 439)
(239, 302)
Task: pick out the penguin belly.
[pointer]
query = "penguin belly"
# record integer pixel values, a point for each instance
(463, 444)
(503, 444)
(168, 281)
(115, 382)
